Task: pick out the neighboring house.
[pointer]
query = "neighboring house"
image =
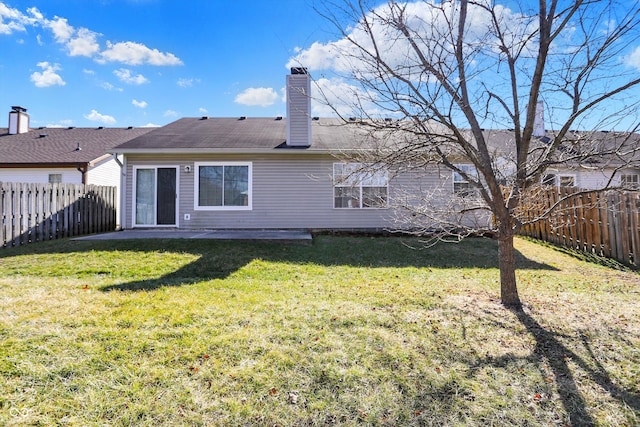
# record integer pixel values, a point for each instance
(268, 173)
(60, 155)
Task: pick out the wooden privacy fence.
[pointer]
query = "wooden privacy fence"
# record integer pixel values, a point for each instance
(605, 223)
(37, 212)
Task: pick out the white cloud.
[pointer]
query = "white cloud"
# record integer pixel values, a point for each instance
(84, 44)
(257, 96)
(12, 20)
(427, 21)
(125, 76)
(132, 53)
(633, 60)
(88, 72)
(139, 104)
(94, 116)
(61, 29)
(187, 82)
(336, 96)
(82, 41)
(108, 86)
(202, 110)
(48, 76)
(170, 113)
(150, 125)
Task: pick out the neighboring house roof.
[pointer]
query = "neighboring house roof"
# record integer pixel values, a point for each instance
(239, 135)
(59, 146)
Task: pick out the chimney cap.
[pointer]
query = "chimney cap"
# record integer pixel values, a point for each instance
(299, 70)
(18, 109)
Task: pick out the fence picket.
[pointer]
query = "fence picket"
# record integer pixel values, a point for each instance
(36, 212)
(604, 223)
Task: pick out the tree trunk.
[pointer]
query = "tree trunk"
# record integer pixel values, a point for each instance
(507, 264)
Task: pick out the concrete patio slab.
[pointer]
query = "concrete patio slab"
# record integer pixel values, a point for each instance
(277, 235)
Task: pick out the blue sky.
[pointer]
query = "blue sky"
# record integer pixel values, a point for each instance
(141, 62)
(149, 62)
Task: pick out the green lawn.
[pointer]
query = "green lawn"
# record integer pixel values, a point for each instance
(345, 331)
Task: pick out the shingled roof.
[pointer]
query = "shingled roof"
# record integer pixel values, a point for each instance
(238, 135)
(62, 146)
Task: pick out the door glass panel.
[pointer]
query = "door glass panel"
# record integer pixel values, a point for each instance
(166, 214)
(145, 195)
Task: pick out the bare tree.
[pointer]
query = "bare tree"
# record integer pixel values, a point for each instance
(445, 70)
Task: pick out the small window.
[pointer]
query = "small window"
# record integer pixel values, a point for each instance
(357, 187)
(567, 181)
(630, 181)
(461, 185)
(223, 186)
(554, 180)
(55, 178)
(549, 180)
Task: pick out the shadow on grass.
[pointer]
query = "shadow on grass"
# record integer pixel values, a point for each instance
(217, 259)
(558, 356)
(552, 356)
(220, 259)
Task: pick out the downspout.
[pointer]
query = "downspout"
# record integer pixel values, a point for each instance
(83, 168)
(122, 195)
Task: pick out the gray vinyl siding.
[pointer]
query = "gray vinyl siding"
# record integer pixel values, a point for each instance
(293, 191)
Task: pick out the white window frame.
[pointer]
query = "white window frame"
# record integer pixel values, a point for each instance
(459, 179)
(355, 180)
(573, 177)
(557, 179)
(630, 180)
(55, 178)
(196, 187)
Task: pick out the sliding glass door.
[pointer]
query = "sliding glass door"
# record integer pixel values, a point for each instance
(155, 196)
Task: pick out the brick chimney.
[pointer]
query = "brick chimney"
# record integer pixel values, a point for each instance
(298, 108)
(18, 120)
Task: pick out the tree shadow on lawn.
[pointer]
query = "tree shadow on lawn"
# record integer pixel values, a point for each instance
(218, 259)
(555, 358)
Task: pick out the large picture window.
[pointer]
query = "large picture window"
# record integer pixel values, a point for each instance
(223, 186)
(358, 187)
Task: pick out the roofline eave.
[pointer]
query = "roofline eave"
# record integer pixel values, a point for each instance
(297, 150)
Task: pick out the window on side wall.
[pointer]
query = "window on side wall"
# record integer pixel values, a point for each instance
(355, 186)
(630, 181)
(223, 186)
(461, 185)
(55, 178)
(555, 180)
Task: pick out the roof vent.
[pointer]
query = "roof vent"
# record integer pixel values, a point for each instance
(388, 119)
(43, 135)
(279, 118)
(204, 118)
(315, 119)
(130, 127)
(243, 118)
(352, 119)
(100, 127)
(78, 148)
(71, 127)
